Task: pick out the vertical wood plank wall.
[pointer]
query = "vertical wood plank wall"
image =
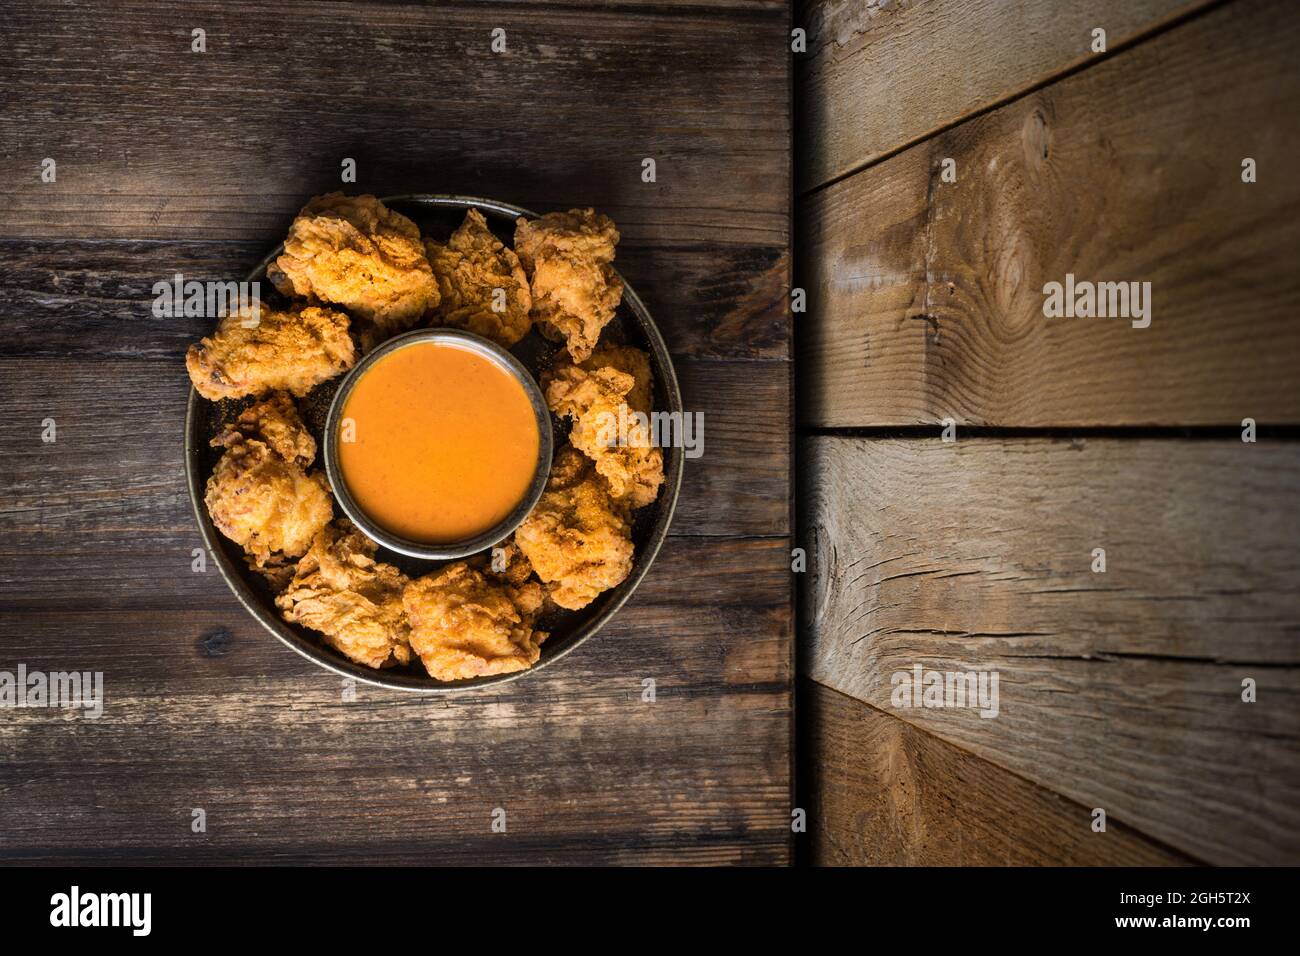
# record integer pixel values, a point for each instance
(1122, 689)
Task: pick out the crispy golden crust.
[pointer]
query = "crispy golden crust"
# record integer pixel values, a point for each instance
(354, 601)
(268, 506)
(294, 351)
(567, 257)
(464, 624)
(470, 268)
(599, 396)
(275, 420)
(355, 252)
(577, 539)
(633, 362)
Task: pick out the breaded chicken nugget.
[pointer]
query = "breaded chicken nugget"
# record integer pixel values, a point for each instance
(294, 351)
(275, 420)
(600, 396)
(355, 252)
(340, 590)
(267, 505)
(576, 291)
(483, 287)
(465, 624)
(577, 539)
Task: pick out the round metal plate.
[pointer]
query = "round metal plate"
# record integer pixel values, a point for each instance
(437, 216)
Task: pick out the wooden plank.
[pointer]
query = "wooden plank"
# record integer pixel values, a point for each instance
(878, 76)
(887, 794)
(92, 298)
(117, 461)
(288, 769)
(926, 298)
(165, 143)
(1120, 690)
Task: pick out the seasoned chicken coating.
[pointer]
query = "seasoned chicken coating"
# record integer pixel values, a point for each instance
(576, 291)
(294, 351)
(483, 287)
(634, 362)
(275, 420)
(249, 481)
(601, 397)
(354, 601)
(355, 252)
(466, 624)
(266, 504)
(577, 539)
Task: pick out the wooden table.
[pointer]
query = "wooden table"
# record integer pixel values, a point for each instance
(170, 160)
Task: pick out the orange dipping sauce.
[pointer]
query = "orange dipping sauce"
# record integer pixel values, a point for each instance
(444, 443)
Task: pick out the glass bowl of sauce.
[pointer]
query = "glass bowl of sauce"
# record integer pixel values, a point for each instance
(438, 444)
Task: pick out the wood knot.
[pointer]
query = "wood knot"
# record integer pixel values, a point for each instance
(215, 643)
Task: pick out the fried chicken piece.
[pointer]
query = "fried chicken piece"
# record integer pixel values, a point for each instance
(599, 396)
(470, 267)
(354, 601)
(266, 504)
(294, 351)
(259, 494)
(634, 362)
(575, 289)
(464, 624)
(275, 420)
(355, 252)
(578, 540)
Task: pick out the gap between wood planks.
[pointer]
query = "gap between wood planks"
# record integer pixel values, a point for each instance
(1155, 30)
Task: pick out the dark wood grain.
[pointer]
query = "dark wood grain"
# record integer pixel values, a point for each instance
(203, 709)
(926, 297)
(888, 794)
(152, 140)
(171, 161)
(1119, 689)
(79, 297)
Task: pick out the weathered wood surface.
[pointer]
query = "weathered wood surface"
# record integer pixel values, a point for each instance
(152, 140)
(1119, 690)
(926, 297)
(164, 166)
(878, 76)
(888, 794)
(80, 297)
